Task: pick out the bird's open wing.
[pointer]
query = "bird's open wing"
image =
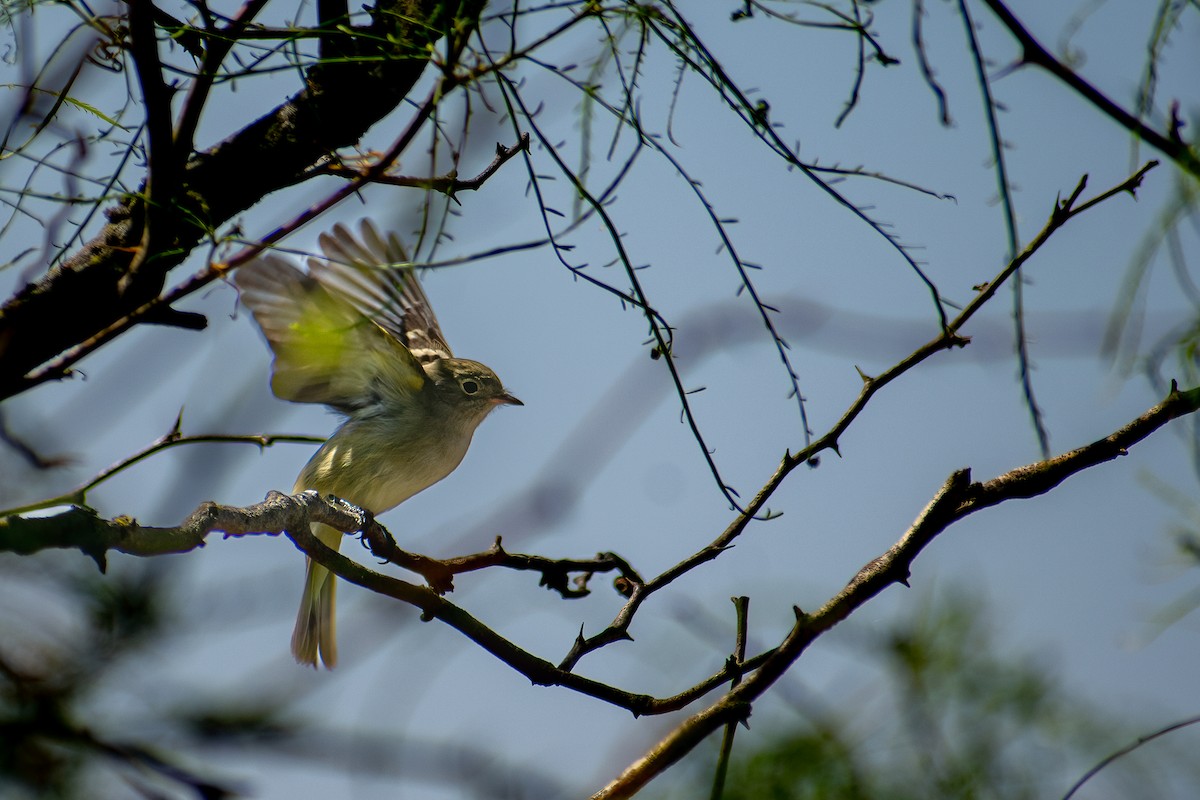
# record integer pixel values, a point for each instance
(326, 349)
(376, 277)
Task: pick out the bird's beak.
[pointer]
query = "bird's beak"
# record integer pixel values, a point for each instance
(506, 399)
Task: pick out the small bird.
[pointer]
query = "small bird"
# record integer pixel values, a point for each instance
(356, 333)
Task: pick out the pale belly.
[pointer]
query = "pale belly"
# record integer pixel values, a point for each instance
(369, 466)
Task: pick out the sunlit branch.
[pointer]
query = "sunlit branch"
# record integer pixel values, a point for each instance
(82, 529)
(958, 498)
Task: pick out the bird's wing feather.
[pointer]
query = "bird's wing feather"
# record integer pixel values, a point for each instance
(326, 350)
(377, 277)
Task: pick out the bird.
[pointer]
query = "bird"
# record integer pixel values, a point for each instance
(356, 333)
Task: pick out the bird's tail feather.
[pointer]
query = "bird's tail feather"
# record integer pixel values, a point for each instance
(315, 634)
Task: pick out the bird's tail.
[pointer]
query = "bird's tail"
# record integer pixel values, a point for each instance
(315, 634)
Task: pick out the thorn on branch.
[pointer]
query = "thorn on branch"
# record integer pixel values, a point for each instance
(1177, 123)
(1135, 182)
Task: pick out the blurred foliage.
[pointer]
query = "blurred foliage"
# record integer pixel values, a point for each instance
(963, 717)
(87, 709)
(1174, 355)
(65, 711)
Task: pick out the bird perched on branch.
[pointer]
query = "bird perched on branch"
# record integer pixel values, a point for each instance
(357, 334)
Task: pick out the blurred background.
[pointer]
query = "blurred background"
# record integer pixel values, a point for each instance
(1037, 638)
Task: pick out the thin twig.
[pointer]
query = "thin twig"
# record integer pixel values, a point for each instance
(958, 498)
(173, 438)
(742, 606)
(1064, 211)
(1126, 750)
(1010, 226)
(218, 44)
(449, 184)
(1033, 53)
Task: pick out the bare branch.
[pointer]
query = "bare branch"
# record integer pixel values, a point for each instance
(1033, 53)
(957, 498)
(1004, 188)
(79, 302)
(1064, 210)
(449, 185)
(82, 529)
(1126, 750)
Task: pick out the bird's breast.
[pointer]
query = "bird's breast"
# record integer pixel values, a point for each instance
(380, 463)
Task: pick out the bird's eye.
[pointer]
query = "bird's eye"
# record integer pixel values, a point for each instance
(470, 387)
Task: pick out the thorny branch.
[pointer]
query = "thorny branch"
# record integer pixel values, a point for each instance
(94, 296)
(1033, 53)
(1064, 211)
(449, 185)
(958, 498)
(81, 528)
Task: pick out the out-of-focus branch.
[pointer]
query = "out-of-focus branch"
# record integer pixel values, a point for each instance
(27, 451)
(332, 14)
(958, 498)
